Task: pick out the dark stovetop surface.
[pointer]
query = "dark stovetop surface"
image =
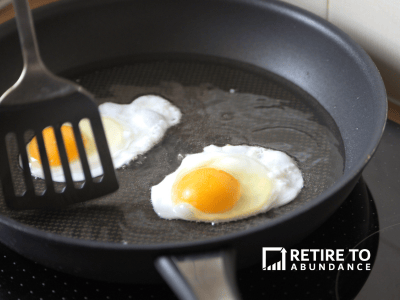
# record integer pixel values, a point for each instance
(368, 219)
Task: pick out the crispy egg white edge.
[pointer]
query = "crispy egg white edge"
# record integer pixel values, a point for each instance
(133, 118)
(280, 168)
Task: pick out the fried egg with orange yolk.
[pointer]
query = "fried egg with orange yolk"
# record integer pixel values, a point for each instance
(227, 183)
(131, 129)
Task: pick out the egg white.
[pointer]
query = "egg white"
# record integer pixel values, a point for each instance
(131, 129)
(268, 179)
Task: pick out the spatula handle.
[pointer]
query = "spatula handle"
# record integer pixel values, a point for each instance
(27, 35)
(36, 82)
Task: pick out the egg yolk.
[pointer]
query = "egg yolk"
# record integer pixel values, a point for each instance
(208, 189)
(50, 144)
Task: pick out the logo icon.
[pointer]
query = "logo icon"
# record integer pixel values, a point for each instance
(278, 266)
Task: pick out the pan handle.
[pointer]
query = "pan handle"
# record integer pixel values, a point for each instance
(205, 276)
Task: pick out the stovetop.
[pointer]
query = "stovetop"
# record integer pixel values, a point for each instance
(368, 219)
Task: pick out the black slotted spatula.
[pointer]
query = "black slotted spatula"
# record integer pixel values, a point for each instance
(40, 99)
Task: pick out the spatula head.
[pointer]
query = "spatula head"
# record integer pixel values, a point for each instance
(17, 120)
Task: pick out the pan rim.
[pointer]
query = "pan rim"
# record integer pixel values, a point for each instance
(342, 39)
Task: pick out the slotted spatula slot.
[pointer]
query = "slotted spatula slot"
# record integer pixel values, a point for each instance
(102, 146)
(92, 166)
(63, 157)
(45, 163)
(29, 164)
(72, 139)
(17, 173)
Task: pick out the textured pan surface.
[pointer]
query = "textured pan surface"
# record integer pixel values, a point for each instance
(220, 105)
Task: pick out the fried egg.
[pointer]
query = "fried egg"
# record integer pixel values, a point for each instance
(227, 183)
(131, 129)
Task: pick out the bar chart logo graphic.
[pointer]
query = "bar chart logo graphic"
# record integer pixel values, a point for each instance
(278, 266)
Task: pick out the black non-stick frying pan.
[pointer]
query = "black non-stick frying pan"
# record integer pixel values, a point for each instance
(242, 72)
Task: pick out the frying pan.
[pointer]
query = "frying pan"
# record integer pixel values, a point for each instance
(229, 66)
